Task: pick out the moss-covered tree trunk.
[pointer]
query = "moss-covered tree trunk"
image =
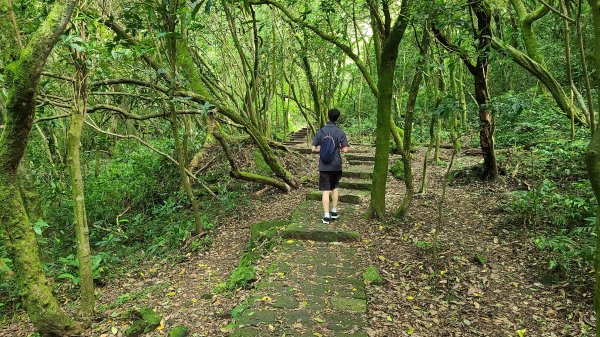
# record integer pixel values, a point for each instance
(408, 125)
(593, 166)
(29, 193)
(169, 16)
(82, 231)
(388, 41)
(22, 79)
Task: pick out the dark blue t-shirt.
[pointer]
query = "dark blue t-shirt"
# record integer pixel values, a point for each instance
(340, 140)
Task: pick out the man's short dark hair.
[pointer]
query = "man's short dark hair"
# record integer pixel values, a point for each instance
(333, 114)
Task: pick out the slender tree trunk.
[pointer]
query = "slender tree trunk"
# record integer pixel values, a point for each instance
(23, 76)
(585, 73)
(568, 66)
(408, 125)
(82, 232)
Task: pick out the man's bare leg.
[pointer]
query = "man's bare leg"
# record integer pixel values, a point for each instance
(335, 197)
(326, 202)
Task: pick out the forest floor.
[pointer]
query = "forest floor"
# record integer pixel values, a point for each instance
(485, 279)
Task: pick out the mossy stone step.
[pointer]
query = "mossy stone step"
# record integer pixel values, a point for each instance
(358, 162)
(362, 172)
(347, 196)
(361, 157)
(318, 232)
(356, 184)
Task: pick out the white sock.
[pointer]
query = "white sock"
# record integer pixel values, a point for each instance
(326, 215)
(334, 210)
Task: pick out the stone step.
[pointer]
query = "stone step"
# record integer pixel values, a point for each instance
(361, 157)
(361, 172)
(355, 184)
(320, 233)
(358, 162)
(294, 142)
(346, 196)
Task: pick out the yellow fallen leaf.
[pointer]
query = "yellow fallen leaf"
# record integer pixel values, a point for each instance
(381, 228)
(318, 320)
(443, 272)
(271, 327)
(194, 300)
(521, 333)
(382, 258)
(317, 334)
(290, 241)
(161, 326)
(171, 293)
(515, 284)
(410, 331)
(410, 298)
(114, 330)
(389, 318)
(266, 299)
(396, 264)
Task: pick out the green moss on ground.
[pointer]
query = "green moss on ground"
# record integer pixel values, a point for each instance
(179, 331)
(372, 276)
(146, 320)
(397, 170)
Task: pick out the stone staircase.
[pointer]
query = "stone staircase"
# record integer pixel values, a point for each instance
(313, 284)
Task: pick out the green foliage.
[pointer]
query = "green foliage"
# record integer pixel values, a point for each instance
(372, 276)
(397, 170)
(570, 246)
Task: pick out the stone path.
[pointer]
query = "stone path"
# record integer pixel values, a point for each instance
(313, 285)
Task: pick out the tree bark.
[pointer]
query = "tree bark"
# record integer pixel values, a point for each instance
(23, 76)
(593, 165)
(82, 232)
(408, 124)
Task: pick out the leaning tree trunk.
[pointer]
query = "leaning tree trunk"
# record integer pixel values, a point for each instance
(593, 166)
(82, 231)
(22, 80)
(408, 124)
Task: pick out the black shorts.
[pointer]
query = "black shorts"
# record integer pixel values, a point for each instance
(329, 180)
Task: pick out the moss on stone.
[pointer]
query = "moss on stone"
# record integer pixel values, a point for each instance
(265, 230)
(179, 331)
(147, 320)
(349, 304)
(372, 276)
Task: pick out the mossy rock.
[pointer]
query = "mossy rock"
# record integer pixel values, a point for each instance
(179, 331)
(372, 276)
(397, 170)
(146, 320)
(265, 230)
(241, 276)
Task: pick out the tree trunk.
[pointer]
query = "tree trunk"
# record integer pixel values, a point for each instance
(23, 76)
(28, 190)
(486, 123)
(593, 166)
(82, 232)
(408, 124)
(385, 85)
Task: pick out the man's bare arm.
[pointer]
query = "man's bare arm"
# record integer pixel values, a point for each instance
(316, 149)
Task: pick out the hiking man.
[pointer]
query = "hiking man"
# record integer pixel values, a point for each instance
(329, 142)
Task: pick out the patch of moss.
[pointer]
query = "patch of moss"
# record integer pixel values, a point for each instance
(265, 230)
(397, 170)
(179, 331)
(372, 276)
(146, 320)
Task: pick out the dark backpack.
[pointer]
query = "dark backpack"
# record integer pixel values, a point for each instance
(328, 149)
